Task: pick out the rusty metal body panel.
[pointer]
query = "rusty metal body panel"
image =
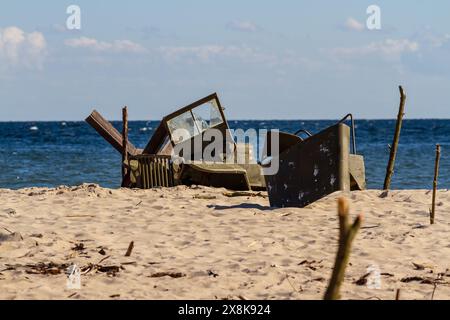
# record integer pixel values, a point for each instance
(357, 172)
(151, 171)
(109, 133)
(312, 168)
(219, 175)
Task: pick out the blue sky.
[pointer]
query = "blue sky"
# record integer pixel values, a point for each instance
(266, 59)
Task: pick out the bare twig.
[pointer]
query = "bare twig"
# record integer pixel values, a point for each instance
(244, 194)
(80, 216)
(103, 259)
(6, 229)
(434, 290)
(130, 249)
(370, 227)
(204, 197)
(436, 173)
(435, 283)
(393, 153)
(125, 144)
(292, 285)
(347, 233)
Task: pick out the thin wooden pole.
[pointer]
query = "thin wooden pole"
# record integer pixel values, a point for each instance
(130, 249)
(124, 142)
(436, 173)
(398, 127)
(347, 233)
(397, 295)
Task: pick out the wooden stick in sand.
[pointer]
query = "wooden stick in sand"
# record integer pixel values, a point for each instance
(436, 173)
(347, 233)
(397, 294)
(130, 249)
(398, 127)
(124, 143)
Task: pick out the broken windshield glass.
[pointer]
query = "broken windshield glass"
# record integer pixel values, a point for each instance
(195, 121)
(207, 115)
(182, 127)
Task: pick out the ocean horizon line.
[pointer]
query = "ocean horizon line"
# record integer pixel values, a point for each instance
(231, 120)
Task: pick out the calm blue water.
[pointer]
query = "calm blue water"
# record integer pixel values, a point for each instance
(70, 154)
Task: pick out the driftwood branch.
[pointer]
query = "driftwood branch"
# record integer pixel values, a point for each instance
(393, 153)
(244, 194)
(436, 173)
(347, 233)
(124, 145)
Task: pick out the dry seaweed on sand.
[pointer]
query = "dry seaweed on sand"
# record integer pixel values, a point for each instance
(52, 268)
(168, 274)
(245, 194)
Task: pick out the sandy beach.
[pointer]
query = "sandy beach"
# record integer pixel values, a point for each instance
(197, 243)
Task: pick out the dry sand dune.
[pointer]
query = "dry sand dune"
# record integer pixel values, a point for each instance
(196, 243)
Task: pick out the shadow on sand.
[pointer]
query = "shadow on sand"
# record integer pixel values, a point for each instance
(242, 206)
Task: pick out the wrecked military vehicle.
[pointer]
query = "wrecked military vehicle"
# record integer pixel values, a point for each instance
(308, 168)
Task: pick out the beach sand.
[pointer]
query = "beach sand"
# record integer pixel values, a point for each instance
(196, 243)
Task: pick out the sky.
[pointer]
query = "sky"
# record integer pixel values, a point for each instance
(265, 59)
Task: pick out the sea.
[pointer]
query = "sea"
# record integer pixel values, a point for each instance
(50, 154)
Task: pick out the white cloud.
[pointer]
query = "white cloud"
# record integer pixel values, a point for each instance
(18, 48)
(429, 39)
(434, 55)
(214, 53)
(389, 49)
(127, 46)
(246, 26)
(206, 53)
(37, 41)
(197, 54)
(115, 46)
(353, 25)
